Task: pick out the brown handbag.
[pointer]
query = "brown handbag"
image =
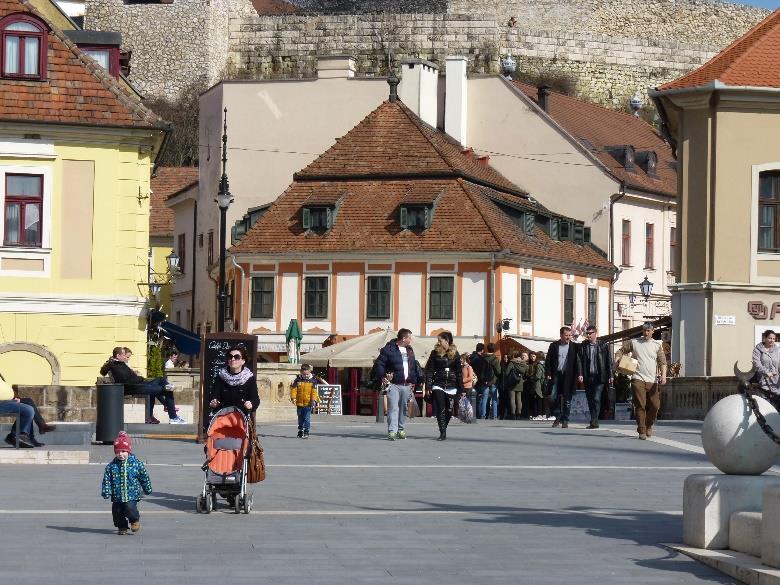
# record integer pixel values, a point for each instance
(256, 464)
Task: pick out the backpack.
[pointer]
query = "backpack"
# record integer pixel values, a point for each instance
(512, 377)
(484, 371)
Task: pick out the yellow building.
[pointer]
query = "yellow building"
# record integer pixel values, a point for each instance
(76, 152)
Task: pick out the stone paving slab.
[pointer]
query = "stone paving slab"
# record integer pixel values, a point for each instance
(499, 503)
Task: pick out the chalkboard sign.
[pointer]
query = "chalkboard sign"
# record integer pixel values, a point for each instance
(330, 398)
(213, 357)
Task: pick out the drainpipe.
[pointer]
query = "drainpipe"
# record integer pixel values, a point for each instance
(194, 252)
(614, 198)
(491, 325)
(241, 298)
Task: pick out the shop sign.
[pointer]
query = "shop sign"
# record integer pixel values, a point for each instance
(725, 320)
(759, 311)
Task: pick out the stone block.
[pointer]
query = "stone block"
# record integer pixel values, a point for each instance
(36, 393)
(745, 533)
(80, 397)
(710, 500)
(770, 527)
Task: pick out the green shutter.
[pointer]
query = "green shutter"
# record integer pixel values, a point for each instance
(530, 221)
(404, 221)
(329, 217)
(306, 218)
(554, 224)
(586, 235)
(427, 217)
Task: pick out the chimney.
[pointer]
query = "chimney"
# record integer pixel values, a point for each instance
(419, 88)
(543, 94)
(484, 160)
(468, 153)
(335, 66)
(456, 99)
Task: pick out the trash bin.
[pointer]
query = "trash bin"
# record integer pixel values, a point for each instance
(110, 412)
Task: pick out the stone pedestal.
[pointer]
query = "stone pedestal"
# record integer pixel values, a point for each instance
(770, 527)
(709, 501)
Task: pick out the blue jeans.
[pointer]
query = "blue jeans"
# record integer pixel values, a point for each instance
(593, 392)
(561, 402)
(26, 411)
(304, 418)
(487, 401)
(124, 512)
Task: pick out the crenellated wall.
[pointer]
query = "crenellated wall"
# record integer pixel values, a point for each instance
(612, 48)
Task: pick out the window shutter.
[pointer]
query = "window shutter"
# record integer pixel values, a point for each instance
(554, 225)
(329, 216)
(427, 217)
(530, 220)
(306, 218)
(404, 221)
(586, 235)
(579, 232)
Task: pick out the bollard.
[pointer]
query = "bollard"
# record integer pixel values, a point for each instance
(473, 399)
(380, 407)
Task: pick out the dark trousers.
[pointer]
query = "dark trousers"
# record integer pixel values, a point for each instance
(155, 388)
(594, 389)
(442, 408)
(560, 401)
(124, 513)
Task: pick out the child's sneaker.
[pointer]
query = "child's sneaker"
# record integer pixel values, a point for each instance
(305, 434)
(391, 436)
(121, 531)
(300, 434)
(400, 435)
(135, 526)
(178, 421)
(170, 386)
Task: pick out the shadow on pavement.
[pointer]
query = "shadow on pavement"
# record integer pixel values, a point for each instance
(76, 529)
(172, 501)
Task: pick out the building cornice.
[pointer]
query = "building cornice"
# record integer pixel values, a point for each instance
(692, 287)
(118, 306)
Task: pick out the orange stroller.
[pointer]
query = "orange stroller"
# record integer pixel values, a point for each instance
(227, 452)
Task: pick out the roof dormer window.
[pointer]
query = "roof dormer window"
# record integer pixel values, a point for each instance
(317, 218)
(24, 47)
(416, 217)
(648, 161)
(624, 154)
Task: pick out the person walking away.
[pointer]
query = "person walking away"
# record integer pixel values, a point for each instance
(304, 394)
(563, 369)
(645, 381)
(492, 372)
(123, 480)
(444, 379)
(469, 378)
(515, 374)
(766, 361)
(396, 363)
(596, 372)
(483, 373)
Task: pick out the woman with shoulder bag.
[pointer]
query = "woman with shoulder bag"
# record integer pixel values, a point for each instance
(444, 379)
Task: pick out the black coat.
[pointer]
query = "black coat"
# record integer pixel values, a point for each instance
(571, 369)
(603, 371)
(390, 360)
(235, 395)
(121, 372)
(444, 370)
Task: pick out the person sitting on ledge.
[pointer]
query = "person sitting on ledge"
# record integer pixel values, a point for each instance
(11, 403)
(158, 388)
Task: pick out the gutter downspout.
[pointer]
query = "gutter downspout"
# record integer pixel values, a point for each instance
(241, 298)
(492, 296)
(194, 252)
(614, 198)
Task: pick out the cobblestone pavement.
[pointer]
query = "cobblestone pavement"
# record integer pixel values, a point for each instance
(497, 503)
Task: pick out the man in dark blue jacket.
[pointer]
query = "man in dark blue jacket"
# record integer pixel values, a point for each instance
(397, 367)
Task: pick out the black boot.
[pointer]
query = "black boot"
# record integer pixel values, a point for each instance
(442, 435)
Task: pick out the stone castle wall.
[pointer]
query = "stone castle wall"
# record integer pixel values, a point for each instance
(612, 48)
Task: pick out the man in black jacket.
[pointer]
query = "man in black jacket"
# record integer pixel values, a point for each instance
(596, 372)
(563, 369)
(158, 388)
(397, 365)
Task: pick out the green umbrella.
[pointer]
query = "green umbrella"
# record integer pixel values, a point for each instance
(293, 338)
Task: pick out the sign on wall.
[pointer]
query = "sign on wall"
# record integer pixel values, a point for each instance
(330, 398)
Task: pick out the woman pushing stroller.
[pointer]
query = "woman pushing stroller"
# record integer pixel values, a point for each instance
(235, 385)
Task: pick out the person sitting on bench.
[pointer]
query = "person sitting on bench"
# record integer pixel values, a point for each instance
(158, 388)
(27, 411)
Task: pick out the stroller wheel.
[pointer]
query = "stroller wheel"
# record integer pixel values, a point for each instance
(214, 500)
(247, 503)
(209, 503)
(237, 504)
(199, 504)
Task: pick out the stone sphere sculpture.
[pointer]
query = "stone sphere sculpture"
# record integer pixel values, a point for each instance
(733, 440)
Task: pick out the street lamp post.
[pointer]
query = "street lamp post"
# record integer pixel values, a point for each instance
(646, 288)
(224, 199)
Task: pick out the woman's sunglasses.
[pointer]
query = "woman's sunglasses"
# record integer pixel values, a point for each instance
(235, 356)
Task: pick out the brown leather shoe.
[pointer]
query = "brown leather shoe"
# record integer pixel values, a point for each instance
(565, 425)
(135, 526)
(557, 423)
(46, 428)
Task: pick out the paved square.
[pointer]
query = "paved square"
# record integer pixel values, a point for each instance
(497, 503)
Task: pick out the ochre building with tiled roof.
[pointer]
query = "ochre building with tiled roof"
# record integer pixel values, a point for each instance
(397, 225)
(78, 149)
(723, 120)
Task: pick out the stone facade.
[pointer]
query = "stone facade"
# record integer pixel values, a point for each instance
(619, 47)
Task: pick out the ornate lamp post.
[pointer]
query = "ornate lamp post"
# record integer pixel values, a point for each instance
(223, 199)
(646, 287)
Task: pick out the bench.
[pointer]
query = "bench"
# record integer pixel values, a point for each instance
(17, 422)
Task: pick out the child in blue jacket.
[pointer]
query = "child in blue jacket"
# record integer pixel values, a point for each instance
(123, 481)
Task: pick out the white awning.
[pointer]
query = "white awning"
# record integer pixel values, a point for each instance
(533, 343)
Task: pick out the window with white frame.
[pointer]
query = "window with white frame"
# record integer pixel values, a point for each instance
(378, 297)
(441, 297)
(262, 297)
(769, 212)
(526, 299)
(23, 210)
(316, 297)
(568, 303)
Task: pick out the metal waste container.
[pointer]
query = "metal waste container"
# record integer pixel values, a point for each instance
(110, 412)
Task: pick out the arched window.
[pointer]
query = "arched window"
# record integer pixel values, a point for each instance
(24, 47)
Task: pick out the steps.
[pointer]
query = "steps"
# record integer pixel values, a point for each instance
(66, 433)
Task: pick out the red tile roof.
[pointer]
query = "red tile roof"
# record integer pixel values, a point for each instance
(752, 60)
(76, 89)
(392, 158)
(167, 182)
(597, 128)
(392, 142)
